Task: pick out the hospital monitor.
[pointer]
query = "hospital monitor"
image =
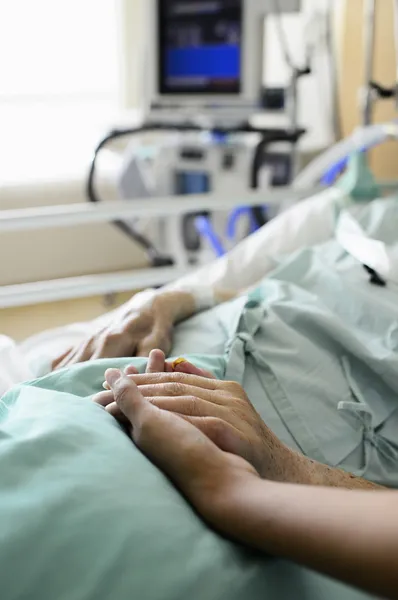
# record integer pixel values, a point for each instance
(209, 53)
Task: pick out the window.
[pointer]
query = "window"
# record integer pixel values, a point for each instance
(59, 82)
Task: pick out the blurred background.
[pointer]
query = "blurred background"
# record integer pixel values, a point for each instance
(72, 70)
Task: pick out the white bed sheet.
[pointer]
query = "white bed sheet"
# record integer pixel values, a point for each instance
(307, 223)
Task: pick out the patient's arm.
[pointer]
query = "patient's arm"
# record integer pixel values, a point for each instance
(147, 320)
(349, 535)
(138, 328)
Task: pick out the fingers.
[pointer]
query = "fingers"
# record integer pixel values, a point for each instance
(117, 414)
(208, 417)
(156, 362)
(183, 366)
(104, 398)
(182, 451)
(184, 400)
(188, 406)
(184, 378)
(127, 396)
(131, 370)
(82, 353)
(181, 390)
(59, 360)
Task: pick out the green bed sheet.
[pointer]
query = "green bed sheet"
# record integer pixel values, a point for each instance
(85, 516)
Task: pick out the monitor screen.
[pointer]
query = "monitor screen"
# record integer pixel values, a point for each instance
(200, 46)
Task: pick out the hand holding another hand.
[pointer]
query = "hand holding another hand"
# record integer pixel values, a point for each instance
(204, 473)
(219, 409)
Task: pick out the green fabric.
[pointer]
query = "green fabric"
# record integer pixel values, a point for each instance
(85, 516)
(358, 181)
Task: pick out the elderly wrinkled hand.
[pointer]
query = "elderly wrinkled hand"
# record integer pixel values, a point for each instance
(134, 333)
(219, 409)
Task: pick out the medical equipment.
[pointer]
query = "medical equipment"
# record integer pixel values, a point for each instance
(205, 58)
(201, 163)
(71, 215)
(334, 160)
(205, 84)
(49, 217)
(373, 91)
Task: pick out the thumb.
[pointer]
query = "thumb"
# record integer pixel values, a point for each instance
(127, 396)
(176, 446)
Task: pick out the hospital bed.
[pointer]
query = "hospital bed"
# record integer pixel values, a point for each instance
(41, 347)
(305, 219)
(154, 547)
(89, 522)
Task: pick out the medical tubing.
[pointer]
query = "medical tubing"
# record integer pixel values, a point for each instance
(269, 136)
(364, 138)
(154, 256)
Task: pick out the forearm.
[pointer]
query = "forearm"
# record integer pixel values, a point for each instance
(179, 305)
(349, 535)
(310, 472)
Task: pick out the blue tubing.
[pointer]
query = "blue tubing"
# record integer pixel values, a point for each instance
(205, 229)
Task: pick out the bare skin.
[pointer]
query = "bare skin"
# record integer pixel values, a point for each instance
(138, 330)
(349, 534)
(223, 412)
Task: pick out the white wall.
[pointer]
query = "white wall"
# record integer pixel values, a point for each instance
(54, 172)
(132, 52)
(315, 91)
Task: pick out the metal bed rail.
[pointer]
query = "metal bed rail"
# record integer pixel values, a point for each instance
(48, 217)
(83, 214)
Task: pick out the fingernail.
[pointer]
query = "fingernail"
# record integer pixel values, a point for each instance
(177, 362)
(106, 387)
(112, 376)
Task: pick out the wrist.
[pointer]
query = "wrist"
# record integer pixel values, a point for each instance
(174, 307)
(282, 464)
(232, 513)
(222, 499)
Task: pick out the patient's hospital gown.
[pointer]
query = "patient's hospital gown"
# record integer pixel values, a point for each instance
(315, 346)
(307, 223)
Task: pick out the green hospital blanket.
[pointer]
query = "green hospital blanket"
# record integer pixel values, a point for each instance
(85, 516)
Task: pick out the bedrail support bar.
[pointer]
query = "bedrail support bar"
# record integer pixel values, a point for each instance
(86, 286)
(47, 217)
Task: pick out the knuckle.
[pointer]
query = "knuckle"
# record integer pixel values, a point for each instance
(194, 408)
(179, 378)
(112, 338)
(139, 322)
(176, 389)
(233, 388)
(122, 392)
(217, 428)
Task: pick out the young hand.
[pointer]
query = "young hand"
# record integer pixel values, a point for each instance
(206, 475)
(220, 409)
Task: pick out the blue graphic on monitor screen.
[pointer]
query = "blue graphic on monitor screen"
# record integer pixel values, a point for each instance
(219, 61)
